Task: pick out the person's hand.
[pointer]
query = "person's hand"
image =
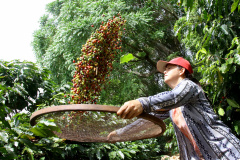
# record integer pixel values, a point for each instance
(130, 109)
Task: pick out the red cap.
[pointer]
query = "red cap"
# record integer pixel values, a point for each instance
(161, 65)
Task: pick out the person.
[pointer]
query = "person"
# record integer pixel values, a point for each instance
(200, 134)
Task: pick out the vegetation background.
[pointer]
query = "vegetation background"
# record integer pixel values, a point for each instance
(206, 32)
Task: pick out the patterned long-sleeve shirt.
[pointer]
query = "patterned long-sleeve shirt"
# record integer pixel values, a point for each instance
(212, 137)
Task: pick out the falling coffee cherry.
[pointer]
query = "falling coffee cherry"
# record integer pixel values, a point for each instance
(95, 63)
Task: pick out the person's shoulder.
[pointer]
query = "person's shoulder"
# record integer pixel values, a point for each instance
(189, 82)
(185, 81)
(193, 85)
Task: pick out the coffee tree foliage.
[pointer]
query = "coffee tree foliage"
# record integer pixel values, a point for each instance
(210, 30)
(23, 88)
(23, 85)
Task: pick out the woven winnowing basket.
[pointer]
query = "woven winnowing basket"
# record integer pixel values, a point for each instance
(95, 124)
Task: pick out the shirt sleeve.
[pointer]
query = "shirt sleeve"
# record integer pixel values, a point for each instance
(133, 127)
(183, 93)
(140, 124)
(160, 115)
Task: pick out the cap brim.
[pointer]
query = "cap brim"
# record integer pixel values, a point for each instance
(161, 65)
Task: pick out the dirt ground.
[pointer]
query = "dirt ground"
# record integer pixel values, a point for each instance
(175, 157)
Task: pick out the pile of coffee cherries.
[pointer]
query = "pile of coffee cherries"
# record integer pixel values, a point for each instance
(95, 63)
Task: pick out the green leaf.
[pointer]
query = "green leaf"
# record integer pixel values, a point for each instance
(235, 41)
(237, 126)
(6, 123)
(221, 111)
(237, 59)
(220, 77)
(107, 146)
(132, 151)
(45, 128)
(126, 58)
(28, 143)
(230, 60)
(189, 4)
(127, 154)
(238, 8)
(29, 152)
(16, 121)
(141, 54)
(54, 128)
(98, 154)
(120, 154)
(234, 5)
(113, 154)
(4, 136)
(10, 150)
(229, 108)
(224, 28)
(224, 68)
(233, 69)
(203, 50)
(233, 103)
(38, 132)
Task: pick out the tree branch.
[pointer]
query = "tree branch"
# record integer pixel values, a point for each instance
(163, 48)
(169, 11)
(142, 50)
(145, 75)
(135, 61)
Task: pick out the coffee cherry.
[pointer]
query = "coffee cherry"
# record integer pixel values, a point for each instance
(95, 63)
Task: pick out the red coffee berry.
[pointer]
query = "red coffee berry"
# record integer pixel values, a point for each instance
(95, 63)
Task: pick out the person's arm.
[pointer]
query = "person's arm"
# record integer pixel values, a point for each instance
(138, 125)
(128, 129)
(183, 93)
(141, 123)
